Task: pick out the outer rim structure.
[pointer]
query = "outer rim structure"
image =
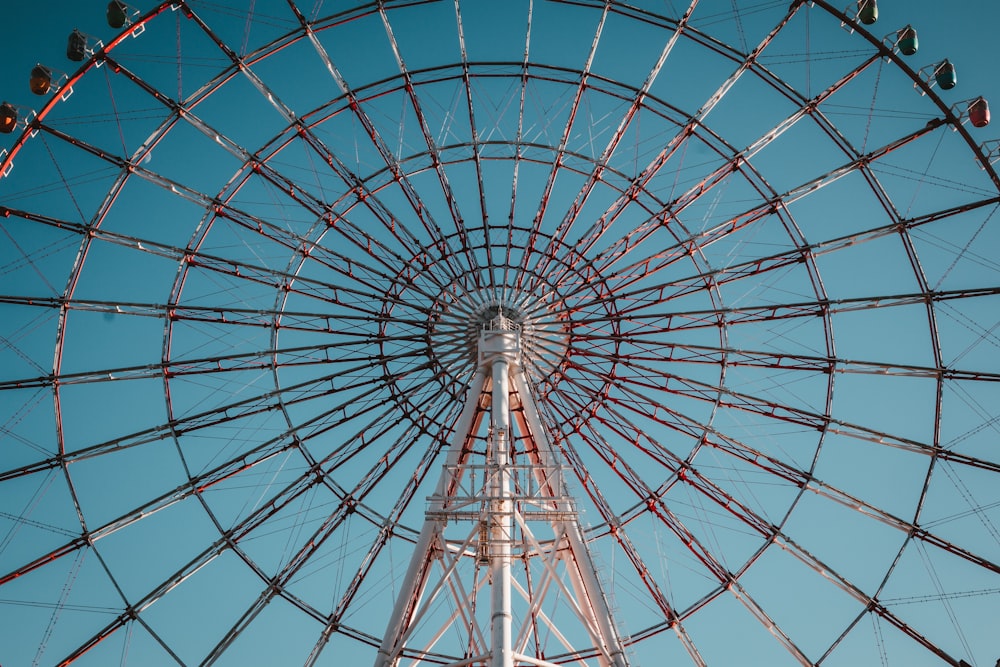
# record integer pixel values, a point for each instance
(309, 325)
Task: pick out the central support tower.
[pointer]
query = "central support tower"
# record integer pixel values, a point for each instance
(499, 348)
(522, 540)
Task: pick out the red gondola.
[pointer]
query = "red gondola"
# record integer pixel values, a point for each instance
(979, 112)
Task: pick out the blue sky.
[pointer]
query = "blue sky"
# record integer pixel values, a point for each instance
(750, 331)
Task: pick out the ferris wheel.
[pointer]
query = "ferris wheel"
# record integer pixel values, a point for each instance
(543, 332)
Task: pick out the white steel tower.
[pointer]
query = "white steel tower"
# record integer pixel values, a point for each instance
(501, 559)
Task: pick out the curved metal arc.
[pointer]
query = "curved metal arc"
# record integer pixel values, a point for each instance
(433, 149)
(226, 314)
(206, 419)
(476, 157)
(311, 287)
(596, 231)
(181, 367)
(727, 580)
(422, 213)
(687, 246)
(717, 355)
(370, 200)
(740, 158)
(773, 533)
(534, 235)
(924, 87)
(807, 481)
(752, 267)
(93, 61)
(350, 500)
(196, 485)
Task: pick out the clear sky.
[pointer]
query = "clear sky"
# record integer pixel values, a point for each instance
(772, 362)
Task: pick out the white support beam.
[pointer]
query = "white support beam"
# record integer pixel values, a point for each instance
(499, 518)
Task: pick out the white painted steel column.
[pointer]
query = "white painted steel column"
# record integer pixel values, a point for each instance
(501, 520)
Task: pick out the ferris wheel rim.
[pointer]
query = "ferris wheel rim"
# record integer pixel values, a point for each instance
(727, 356)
